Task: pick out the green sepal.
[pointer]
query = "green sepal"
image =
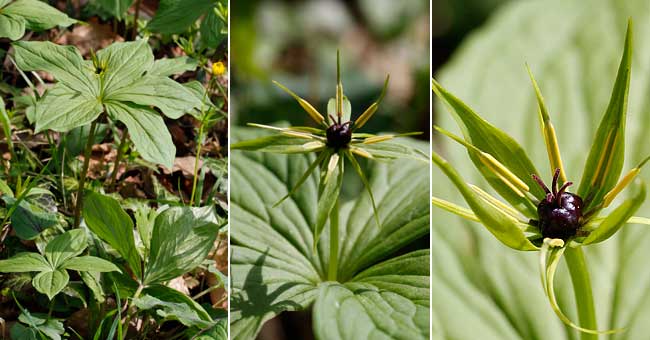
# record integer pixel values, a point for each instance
(606, 157)
(617, 218)
(499, 223)
(489, 139)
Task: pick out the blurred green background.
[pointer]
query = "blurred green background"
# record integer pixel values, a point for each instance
(295, 43)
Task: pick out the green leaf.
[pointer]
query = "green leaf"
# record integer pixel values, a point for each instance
(51, 283)
(615, 220)
(117, 8)
(211, 30)
(389, 300)
(169, 66)
(38, 15)
(65, 246)
(607, 154)
(175, 16)
(170, 304)
(11, 27)
(89, 264)
(63, 62)
(148, 131)
(39, 322)
(105, 217)
(29, 218)
(24, 262)
(329, 188)
(181, 239)
(489, 139)
(172, 98)
(20, 332)
(500, 224)
(63, 109)
(273, 265)
(125, 62)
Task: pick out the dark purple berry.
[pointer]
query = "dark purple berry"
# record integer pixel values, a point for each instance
(560, 212)
(339, 135)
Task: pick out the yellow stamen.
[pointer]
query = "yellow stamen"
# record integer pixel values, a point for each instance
(361, 152)
(311, 111)
(504, 173)
(218, 68)
(553, 150)
(508, 210)
(378, 139)
(297, 134)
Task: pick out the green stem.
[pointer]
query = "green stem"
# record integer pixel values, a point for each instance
(199, 142)
(130, 314)
(84, 173)
(575, 260)
(120, 154)
(334, 243)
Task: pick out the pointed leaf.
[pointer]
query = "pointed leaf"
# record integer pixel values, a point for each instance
(51, 283)
(607, 154)
(63, 109)
(500, 224)
(169, 66)
(393, 150)
(90, 264)
(181, 239)
(29, 218)
(24, 262)
(363, 178)
(175, 16)
(617, 218)
(487, 138)
(11, 27)
(65, 246)
(124, 63)
(172, 98)
(117, 8)
(147, 130)
(38, 15)
(63, 62)
(105, 217)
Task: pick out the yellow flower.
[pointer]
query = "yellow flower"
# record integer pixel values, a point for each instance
(218, 68)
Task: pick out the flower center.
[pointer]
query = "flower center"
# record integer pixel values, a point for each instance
(560, 212)
(339, 135)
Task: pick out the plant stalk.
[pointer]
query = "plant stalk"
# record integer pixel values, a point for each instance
(84, 173)
(118, 159)
(199, 142)
(575, 260)
(332, 271)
